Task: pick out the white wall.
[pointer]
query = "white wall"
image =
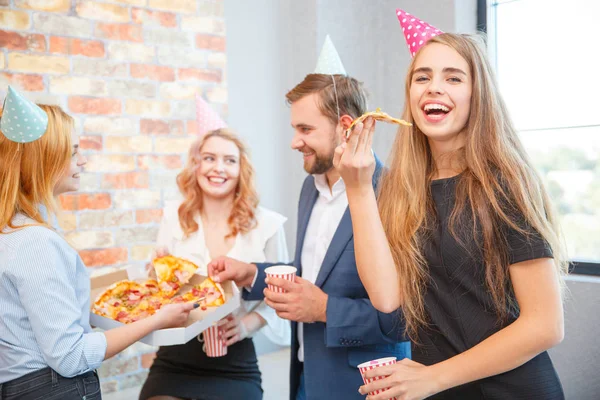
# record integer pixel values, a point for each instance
(577, 358)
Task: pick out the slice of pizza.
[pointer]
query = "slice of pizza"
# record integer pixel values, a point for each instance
(121, 297)
(173, 272)
(207, 294)
(126, 299)
(378, 115)
(213, 292)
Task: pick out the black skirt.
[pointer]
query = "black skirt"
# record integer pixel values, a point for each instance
(186, 372)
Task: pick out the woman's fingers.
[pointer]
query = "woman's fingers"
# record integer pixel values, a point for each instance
(338, 154)
(233, 340)
(352, 142)
(364, 135)
(368, 145)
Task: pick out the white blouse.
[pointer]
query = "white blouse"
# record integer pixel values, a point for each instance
(265, 243)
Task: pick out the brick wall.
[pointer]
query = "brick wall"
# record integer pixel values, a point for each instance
(127, 71)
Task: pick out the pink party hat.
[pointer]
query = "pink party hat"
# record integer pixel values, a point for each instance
(208, 120)
(416, 32)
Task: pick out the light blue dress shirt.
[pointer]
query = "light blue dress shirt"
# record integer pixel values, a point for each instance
(44, 305)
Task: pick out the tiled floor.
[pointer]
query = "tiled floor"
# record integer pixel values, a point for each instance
(274, 367)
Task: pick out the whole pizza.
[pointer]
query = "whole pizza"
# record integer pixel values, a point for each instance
(129, 301)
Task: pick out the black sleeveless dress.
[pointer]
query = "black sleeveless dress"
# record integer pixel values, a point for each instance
(460, 309)
(184, 371)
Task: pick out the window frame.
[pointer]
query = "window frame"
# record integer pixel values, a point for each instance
(486, 23)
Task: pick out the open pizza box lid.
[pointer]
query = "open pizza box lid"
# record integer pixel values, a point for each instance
(198, 321)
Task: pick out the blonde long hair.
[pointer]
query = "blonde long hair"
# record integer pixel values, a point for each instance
(243, 214)
(29, 171)
(498, 183)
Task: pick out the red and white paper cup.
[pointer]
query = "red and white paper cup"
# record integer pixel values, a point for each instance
(369, 365)
(283, 272)
(214, 346)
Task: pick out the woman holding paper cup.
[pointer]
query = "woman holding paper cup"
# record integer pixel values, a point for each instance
(219, 198)
(462, 236)
(47, 347)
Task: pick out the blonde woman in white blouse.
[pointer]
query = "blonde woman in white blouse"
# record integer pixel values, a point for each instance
(219, 215)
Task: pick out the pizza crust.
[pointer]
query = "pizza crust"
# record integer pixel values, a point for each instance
(379, 116)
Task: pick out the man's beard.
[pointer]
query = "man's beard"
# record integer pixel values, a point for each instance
(321, 165)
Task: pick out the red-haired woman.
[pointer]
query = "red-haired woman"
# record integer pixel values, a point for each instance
(218, 216)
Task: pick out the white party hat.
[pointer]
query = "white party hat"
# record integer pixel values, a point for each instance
(329, 62)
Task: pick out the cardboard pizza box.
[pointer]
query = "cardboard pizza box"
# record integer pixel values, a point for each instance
(198, 321)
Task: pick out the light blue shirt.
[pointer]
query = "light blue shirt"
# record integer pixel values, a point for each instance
(44, 306)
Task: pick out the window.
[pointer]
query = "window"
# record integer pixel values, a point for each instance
(548, 67)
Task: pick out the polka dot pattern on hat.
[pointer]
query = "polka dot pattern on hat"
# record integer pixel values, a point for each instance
(415, 28)
(207, 118)
(329, 62)
(22, 121)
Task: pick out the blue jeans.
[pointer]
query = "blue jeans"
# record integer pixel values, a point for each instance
(48, 385)
(301, 393)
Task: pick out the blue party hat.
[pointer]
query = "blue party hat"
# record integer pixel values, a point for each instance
(22, 120)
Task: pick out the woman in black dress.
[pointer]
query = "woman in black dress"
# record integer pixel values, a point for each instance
(462, 237)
